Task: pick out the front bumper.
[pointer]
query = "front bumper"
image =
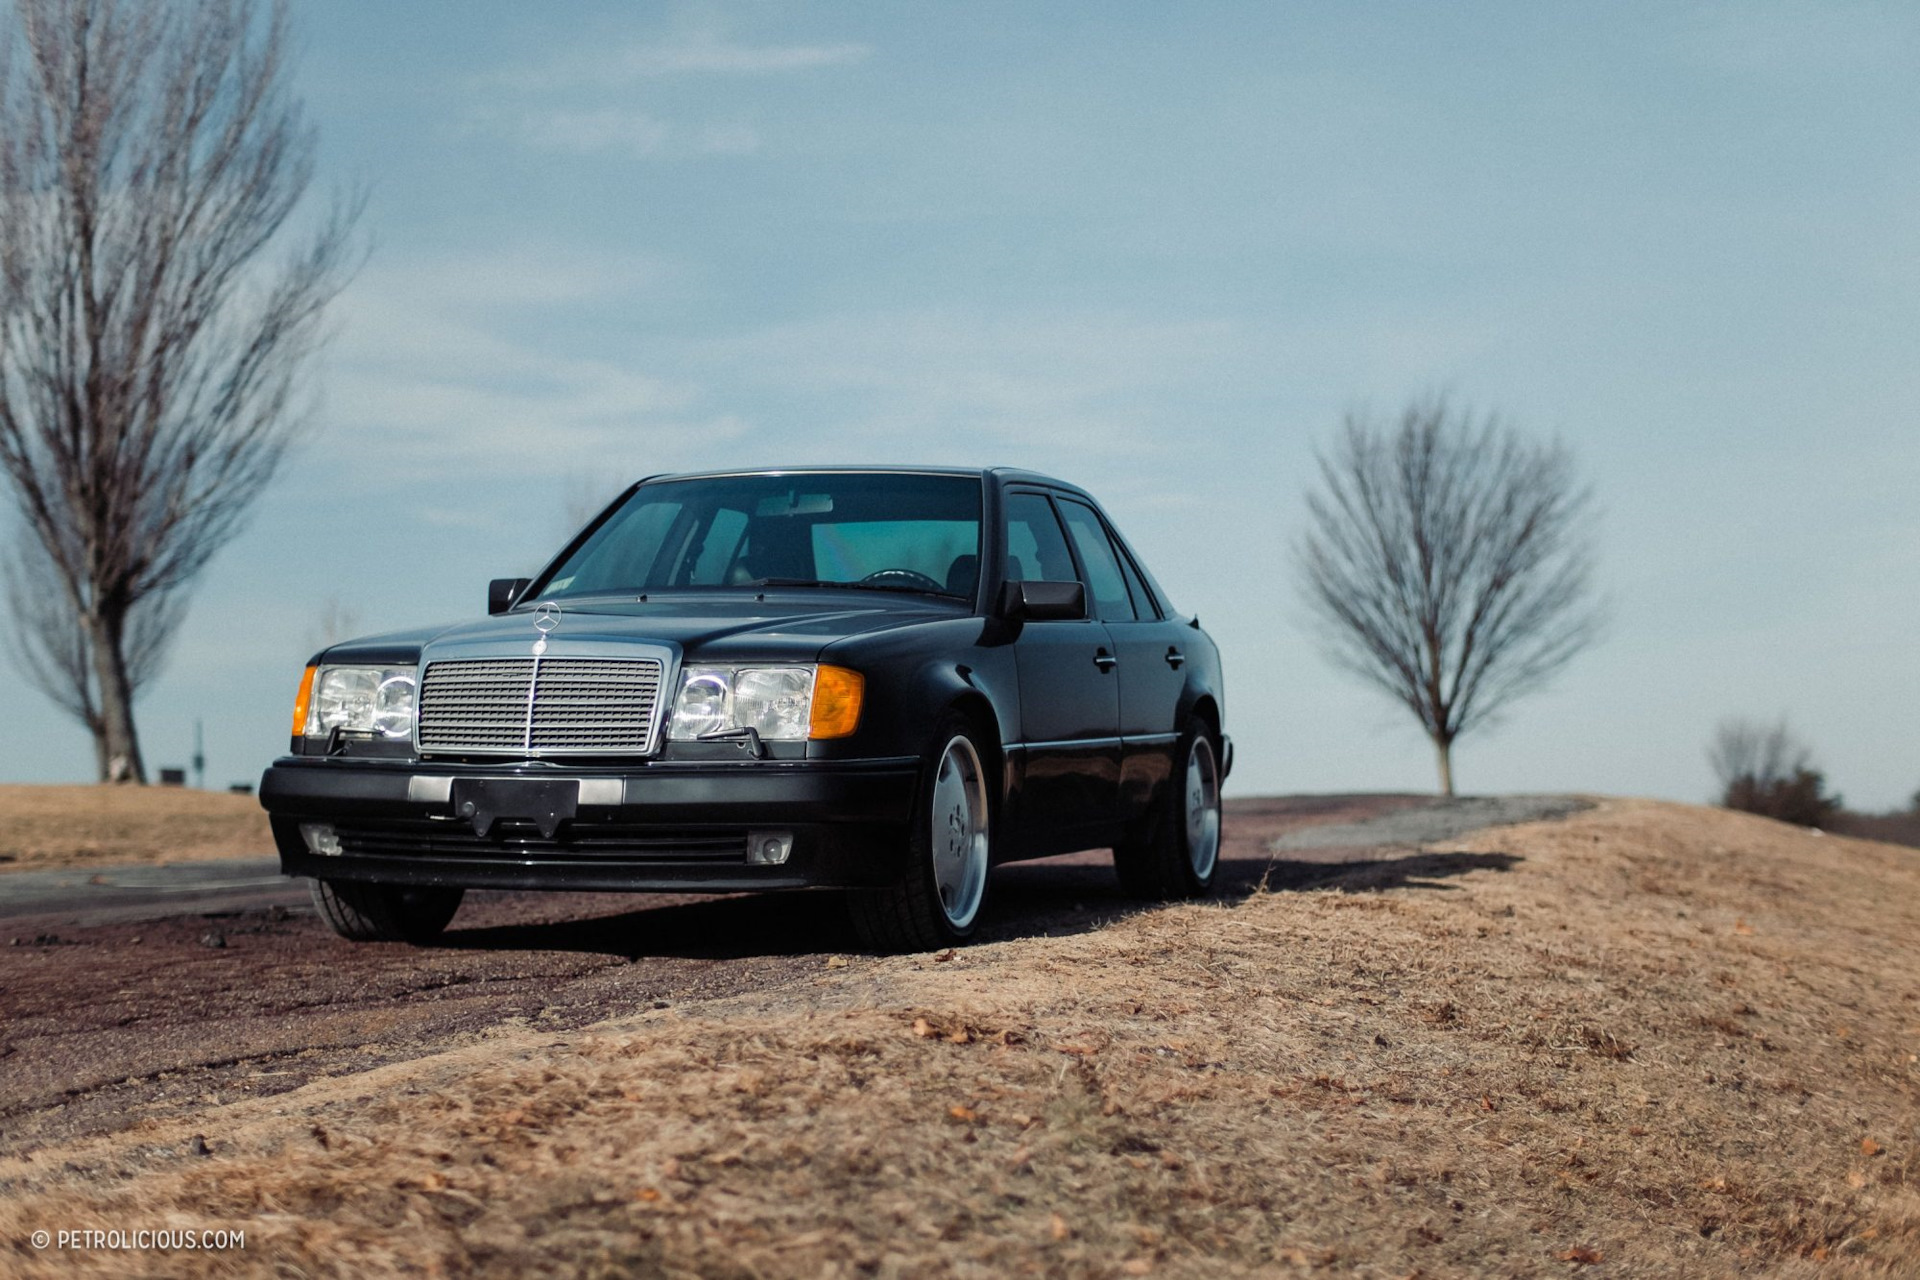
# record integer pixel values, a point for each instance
(658, 827)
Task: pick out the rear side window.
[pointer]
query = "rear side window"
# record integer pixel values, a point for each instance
(1036, 549)
(1104, 581)
(1142, 598)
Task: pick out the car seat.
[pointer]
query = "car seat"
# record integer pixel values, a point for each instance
(963, 574)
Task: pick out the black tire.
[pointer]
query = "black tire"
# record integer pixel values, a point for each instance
(363, 912)
(915, 914)
(1173, 860)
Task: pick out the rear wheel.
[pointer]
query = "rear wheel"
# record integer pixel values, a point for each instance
(938, 902)
(1181, 851)
(385, 912)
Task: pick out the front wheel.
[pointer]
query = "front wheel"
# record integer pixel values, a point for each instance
(362, 912)
(937, 903)
(1180, 854)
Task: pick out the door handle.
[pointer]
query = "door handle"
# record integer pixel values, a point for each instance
(1105, 661)
(1174, 657)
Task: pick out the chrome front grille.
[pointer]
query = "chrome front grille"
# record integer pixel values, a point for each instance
(475, 706)
(539, 706)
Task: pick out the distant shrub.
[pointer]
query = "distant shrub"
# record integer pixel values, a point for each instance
(1801, 799)
(1768, 771)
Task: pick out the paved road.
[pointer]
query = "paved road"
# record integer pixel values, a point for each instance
(104, 895)
(107, 895)
(129, 992)
(1428, 823)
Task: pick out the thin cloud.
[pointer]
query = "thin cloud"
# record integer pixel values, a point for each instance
(633, 133)
(588, 131)
(959, 384)
(725, 58)
(516, 277)
(727, 140)
(706, 55)
(546, 108)
(422, 381)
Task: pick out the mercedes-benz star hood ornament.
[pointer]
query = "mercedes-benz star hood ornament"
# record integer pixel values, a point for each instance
(546, 616)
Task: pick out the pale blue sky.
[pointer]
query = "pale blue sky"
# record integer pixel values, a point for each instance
(1157, 250)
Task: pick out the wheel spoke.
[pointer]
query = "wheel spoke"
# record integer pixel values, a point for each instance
(958, 835)
(1202, 808)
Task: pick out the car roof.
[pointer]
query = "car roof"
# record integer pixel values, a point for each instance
(1006, 475)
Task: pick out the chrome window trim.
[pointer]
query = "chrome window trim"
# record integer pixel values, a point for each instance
(1050, 744)
(537, 585)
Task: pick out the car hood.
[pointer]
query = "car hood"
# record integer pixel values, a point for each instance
(792, 626)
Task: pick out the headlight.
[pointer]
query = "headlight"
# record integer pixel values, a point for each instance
(375, 700)
(780, 704)
(705, 704)
(773, 701)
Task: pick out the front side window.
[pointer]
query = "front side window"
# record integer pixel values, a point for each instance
(1036, 549)
(896, 532)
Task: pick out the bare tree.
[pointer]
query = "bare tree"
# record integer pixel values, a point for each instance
(149, 350)
(1450, 565)
(1766, 769)
(50, 645)
(337, 622)
(587, 493)
(1759, 753)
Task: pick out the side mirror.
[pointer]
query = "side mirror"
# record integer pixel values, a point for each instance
(1043, 601)
(502, 592)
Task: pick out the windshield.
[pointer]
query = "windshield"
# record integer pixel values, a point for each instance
(875, 530)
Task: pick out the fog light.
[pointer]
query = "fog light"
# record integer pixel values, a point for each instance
(769, 848)
(321, 839)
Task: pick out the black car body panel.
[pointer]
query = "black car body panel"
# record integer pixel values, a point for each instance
(1081, 716)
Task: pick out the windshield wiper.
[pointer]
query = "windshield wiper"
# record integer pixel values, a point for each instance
(856, 586)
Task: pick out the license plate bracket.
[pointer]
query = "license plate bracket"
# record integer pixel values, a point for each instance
(545, 802)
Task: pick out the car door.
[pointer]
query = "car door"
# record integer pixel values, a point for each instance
(1069, 696)
(1151, 653)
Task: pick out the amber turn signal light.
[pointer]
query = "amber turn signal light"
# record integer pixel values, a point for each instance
(837, 694)
(302, 701)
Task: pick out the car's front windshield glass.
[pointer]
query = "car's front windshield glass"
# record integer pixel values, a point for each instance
(878, 530)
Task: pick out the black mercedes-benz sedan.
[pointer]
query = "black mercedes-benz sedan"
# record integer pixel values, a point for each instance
(883, 680)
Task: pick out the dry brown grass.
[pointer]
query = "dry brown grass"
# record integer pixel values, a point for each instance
(1665, 1041)
(48, 827)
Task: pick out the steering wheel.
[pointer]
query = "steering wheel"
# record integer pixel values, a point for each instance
(908, 577)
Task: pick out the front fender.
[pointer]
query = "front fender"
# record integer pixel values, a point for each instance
(914, 674)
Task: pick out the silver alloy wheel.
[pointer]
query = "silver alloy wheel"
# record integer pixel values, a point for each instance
(1202, 808)
(959, 837)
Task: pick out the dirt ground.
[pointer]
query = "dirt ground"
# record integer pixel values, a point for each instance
(104, 1022)
(78, 826)
(1644, 1040)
